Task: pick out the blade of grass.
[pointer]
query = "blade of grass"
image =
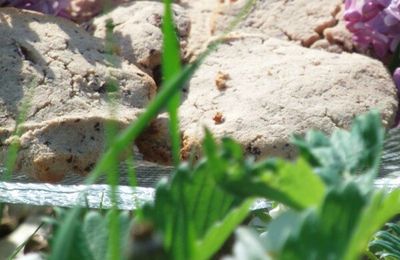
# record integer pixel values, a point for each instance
(111, 131)
(171, 66)
(170, 88)
(12, 152)
(133, 182)
(240, 16)
(133, 131)
(21, 246)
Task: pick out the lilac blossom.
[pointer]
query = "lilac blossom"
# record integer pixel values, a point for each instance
(375, 25)
(76, 10)
(53, 7)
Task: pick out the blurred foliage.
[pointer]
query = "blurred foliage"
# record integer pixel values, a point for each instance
(331, 207)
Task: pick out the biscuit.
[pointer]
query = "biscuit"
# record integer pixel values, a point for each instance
(301, 21)
(63, 77)
(137, 30)
(277, 88)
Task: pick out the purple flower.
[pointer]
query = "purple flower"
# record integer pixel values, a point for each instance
(396, 78)
(76, 10)
(375, 24)
(53, 7)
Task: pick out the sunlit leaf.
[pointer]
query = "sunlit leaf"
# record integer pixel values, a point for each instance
(294, 184)
(354, 154)
(381, 209)
(188, 207)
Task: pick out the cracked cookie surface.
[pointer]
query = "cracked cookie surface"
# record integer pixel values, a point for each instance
(302, 21)
(137, 30)
(58, 71)
(276, 88)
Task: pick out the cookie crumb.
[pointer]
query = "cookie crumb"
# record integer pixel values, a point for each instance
(221, 79)
(218, 118)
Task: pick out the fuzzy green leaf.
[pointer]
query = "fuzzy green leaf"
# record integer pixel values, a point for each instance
(86, 237)
(68, 239)
(96, 234)
(295, 184)
(340, 228)
(380, 210)
(192, 209)
(346, 154)
(323, 232)
(220, 231)
(185, 210)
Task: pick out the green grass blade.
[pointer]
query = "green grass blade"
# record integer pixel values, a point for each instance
(12, 152)
(21, 246)
(240, 16)
(111, 131)
(114, 240)
(133, 131)
(171, 66)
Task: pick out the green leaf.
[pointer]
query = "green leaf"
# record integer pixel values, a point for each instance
(195, 215)
(380, 210)
(395, 228)
(119, 239)
(171, 66)
(345, 155)
(68, 240)
(294, 184)
(185, 210)
(220, 231)
(297, 182)
(86, 237)
(389, 237)
(340, 228)
(65, 236)
(96, 234)
(384, 246)
(323, 232)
